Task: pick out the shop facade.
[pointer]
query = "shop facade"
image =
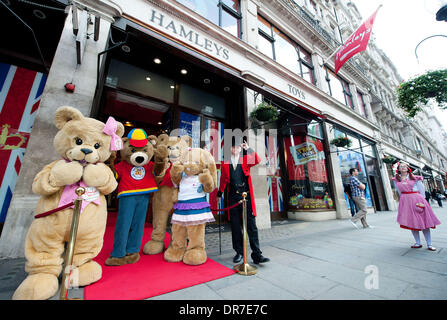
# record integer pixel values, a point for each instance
(180, 65)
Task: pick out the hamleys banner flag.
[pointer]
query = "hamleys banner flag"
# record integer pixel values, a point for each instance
(356, 43)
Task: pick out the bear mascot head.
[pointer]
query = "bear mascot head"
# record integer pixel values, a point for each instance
(84, 144)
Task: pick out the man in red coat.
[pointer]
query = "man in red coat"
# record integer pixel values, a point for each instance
(235, 178)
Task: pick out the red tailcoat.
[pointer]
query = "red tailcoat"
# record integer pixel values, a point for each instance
(247, 161)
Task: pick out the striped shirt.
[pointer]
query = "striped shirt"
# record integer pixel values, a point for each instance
(355, 190)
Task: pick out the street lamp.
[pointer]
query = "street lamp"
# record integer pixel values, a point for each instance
(441, 15)
(438, 7)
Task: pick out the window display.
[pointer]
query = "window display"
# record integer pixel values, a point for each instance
(307, 184)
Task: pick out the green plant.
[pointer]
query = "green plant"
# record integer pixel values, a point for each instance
(389, 159)
(342, 142)
(432, 84)
(264, 112)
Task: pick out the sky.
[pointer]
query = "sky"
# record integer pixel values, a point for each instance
(400, 26)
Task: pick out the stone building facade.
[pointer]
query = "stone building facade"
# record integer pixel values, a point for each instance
(200, 65)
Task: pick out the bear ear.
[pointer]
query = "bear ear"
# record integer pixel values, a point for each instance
(187, 139)
(125, 139)
(163, 138)
(65, 114)
(119, 129)
(153, 140)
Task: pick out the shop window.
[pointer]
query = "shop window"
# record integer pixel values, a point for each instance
(362, 105)
(285, 52)
(307, 184)
(202, 101)
(352, 159)
(190, 125)
(339, 88)
(122, 75)
(368, 148)
(224, 13)
(276, 45)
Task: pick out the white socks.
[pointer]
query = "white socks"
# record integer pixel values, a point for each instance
(427, 236)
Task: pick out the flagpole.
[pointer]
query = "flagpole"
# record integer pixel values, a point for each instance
(336, 50)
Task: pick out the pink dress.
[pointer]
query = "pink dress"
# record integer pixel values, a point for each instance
(410, 216)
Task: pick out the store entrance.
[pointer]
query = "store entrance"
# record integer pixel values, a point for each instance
(147, 87)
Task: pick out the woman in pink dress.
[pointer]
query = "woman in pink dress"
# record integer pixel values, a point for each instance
(414, 212)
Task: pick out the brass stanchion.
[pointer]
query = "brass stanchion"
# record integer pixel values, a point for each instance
(245, 268)
(71, 243)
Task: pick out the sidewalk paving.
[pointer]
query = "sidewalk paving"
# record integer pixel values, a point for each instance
(328, 260)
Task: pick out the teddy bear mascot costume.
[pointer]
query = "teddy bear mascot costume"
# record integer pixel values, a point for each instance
(170, 150)
(83, 144)
(195, 174)
(135, 173)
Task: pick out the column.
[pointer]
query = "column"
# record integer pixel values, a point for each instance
(250, 22)
(259, 172)
(319, 72)
(335, 176)
(370, 114)
(40, 151)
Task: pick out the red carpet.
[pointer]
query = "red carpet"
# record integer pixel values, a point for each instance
(150, 276)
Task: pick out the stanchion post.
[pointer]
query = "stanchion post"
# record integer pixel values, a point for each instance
(71, 244)
(245, 268)
(218, 218)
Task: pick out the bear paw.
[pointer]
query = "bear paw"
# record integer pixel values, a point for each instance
(39, 286)
(174, 254)
(195, 257)
(132, 257)
(112, 261)
(153, 247)
(86, 274)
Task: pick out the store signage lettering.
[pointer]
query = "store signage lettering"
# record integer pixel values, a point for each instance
(297, 92)
(188, 34)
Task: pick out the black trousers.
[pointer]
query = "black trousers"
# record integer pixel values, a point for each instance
(237, 224)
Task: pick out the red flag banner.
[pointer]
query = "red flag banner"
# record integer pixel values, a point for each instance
(356, 43)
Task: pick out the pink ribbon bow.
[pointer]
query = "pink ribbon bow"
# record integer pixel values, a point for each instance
(110, 129)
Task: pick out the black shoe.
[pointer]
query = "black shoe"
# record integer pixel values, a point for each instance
(237, 258)
(260, 259)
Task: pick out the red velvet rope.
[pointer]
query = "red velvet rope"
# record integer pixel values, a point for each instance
(54, 210)
(226, 209)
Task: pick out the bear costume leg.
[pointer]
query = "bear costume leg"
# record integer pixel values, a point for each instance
(44, 247)
(162, 204)
(195, 253)
(177, 246)
(88, 271)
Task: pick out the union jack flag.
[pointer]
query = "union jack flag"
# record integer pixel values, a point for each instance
(273, 174)
(20, 93)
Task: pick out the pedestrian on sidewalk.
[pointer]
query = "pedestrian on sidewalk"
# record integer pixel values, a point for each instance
(235, 179)
(358, 195)
(427, 196)
(414, 212)
(438, 197)
(352, 205)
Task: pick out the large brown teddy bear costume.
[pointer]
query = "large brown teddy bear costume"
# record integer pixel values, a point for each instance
(84, 148)
(196, 175)
(164, 199)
